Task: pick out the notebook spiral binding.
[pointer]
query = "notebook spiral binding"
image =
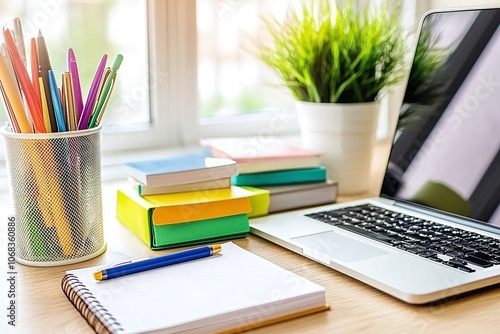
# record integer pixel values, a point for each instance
(89, 307)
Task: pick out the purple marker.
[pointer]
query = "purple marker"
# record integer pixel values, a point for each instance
(91, 98)
(77, 90)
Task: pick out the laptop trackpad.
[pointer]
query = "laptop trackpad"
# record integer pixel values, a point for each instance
(327, 245)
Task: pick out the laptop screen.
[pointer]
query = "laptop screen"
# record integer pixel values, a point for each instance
(446, 150)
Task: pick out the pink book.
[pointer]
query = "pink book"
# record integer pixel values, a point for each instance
(256, 154)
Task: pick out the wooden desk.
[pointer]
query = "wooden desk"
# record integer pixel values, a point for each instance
(356, 307)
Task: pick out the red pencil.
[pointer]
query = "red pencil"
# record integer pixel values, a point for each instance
(24, 80)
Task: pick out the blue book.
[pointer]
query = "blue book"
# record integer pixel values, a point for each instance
(281, 177)
(182, 169)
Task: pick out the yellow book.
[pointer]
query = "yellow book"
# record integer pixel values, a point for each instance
(259, 200)
(134, 212)
(198, 205)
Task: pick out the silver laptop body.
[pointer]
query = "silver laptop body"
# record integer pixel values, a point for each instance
(444, 168)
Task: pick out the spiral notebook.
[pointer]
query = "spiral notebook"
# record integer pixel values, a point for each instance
(227, 292)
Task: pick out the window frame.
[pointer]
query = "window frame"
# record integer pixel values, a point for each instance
(172, 76)
(165, 54)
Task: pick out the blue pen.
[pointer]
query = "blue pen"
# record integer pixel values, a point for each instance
(157, 262)
(56, 101)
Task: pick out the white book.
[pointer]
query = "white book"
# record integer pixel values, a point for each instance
(144, 190)
(301, 195)
(271, 199)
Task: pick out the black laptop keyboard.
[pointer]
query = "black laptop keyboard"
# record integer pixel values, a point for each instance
(453, 247)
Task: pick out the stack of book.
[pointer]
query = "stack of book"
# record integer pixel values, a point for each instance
(280, 174)
(183, 200)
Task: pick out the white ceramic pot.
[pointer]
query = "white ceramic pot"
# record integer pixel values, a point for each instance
(345, 134)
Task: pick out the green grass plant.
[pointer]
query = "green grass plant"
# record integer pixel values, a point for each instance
(327, 52)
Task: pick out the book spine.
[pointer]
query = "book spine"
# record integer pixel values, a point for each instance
(89, 307)
(282, 177)
(132, 212)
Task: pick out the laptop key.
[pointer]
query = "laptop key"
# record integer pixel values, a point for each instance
(334, 222)
(485, 257)
(414, 250)
(366, 233)
(458, 261)
(476, 261)
(376, 229)
(458, 266)
(428, 254)
(336, 213)
(455, 254)
(466, 269)
(441, 249)
(434, 258)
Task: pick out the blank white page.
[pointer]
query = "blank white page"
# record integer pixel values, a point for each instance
(230, 289)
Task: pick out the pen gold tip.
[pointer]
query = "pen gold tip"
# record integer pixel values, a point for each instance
(98, 275)
(216, 248)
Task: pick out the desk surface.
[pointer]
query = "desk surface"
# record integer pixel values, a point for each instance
(356, 307)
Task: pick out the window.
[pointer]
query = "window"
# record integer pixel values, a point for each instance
(235, 88)
(205, 81)
(191, 76)
(231, 80)
(92, 28)
(237, 93)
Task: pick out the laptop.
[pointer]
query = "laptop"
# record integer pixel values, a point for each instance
(434, 230)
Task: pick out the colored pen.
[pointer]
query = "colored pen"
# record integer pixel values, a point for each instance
(56, 102)
(69, 101)
(156, 262)
(10, 69)
(13, 98)
(44, 66)
(12, 73)
(45, 108)
(10, 112)
(24, 80)
(94, 89)
(19, 38)
(77, 90)
(34, 72)
(107, 88)
(107, 72)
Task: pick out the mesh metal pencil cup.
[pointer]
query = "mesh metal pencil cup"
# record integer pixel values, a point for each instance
(55, 184)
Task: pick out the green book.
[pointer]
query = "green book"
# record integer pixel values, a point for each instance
(136, 213)
(281, 177)
(201, 231)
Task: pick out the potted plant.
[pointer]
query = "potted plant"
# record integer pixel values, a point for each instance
(337, 62)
